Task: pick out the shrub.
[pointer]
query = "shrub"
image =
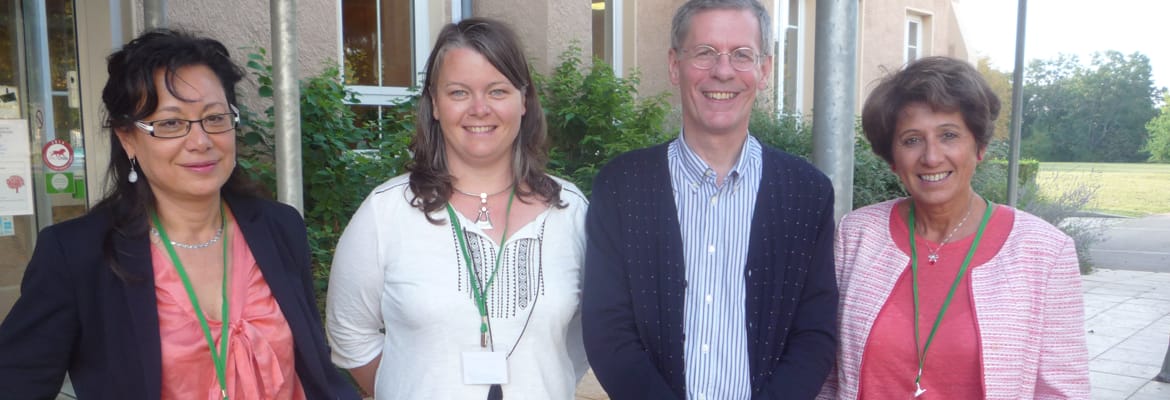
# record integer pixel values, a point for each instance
(1063, 212)
(594, 115)
(341, 161)
(872, 180)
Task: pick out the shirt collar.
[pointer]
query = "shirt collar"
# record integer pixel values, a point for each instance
(696, 170)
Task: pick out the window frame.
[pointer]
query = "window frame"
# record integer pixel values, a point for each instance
(779, 36)
(422, 37)
(920, 47)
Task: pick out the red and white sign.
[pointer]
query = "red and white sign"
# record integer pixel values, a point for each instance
(57, 154)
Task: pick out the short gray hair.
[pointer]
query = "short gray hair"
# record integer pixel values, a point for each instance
(681, 25)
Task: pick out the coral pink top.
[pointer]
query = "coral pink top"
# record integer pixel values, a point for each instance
(1028, 306)
(260, 349)
(953, 368)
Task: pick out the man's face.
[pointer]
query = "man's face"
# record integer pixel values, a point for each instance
(718, 100)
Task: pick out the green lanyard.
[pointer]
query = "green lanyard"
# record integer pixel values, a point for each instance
(942, 310)
(481, 294)
(218, 356)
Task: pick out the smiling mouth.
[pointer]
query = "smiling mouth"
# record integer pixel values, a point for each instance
(935, 177)
(719, 95)
(479, 129)
(201, 164)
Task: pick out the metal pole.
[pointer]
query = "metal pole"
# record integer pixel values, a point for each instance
(834, 101)
(1017, 108)
(154, 13)
(286, 104)
(40, 100)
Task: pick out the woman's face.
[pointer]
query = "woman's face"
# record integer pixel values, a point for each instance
(478, 109)
(195, 166)
(935, 154)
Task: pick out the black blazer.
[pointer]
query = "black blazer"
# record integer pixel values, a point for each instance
(76, 315)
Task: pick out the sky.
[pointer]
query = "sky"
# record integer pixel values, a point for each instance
(1079, 27)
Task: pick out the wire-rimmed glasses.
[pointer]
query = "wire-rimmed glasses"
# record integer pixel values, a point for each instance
(742, 59)
(174, 128)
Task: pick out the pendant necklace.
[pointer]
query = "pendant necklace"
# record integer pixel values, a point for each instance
(483, 218)
(218, 353)
(932, 257)
(918, 388)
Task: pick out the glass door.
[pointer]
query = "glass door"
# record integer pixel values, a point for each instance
(42, 156)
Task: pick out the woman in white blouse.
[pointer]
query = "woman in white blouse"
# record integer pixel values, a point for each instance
(462, 278)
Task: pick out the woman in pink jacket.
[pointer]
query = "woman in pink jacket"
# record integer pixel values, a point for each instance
(945, 295)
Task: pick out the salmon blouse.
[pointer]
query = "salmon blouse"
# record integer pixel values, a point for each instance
(260, 361)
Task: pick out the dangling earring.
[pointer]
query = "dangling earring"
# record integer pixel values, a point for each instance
(133, 178)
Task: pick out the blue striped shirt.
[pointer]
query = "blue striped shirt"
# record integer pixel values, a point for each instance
(715, 221)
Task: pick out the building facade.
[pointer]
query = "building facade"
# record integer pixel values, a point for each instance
(52, 69)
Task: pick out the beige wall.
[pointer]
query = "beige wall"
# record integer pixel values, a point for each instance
(244, 25)
(546, 28)
(883, 36)
(653, 43)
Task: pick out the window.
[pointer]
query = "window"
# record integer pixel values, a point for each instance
(607, 23)
(913, 37)
(385, 43)
(917, 36)
(789, 74)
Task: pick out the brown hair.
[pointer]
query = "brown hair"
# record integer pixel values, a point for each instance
(944, 84)
(430, 181)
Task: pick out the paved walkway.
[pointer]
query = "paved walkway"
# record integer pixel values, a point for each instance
(1127, 323)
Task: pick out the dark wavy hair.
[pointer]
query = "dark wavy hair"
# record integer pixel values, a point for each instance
(430, 181)
(130, 95)
(945, 84)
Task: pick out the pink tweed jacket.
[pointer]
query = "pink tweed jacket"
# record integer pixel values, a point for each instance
(1027, 300)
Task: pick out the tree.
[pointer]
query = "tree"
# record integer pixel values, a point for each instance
(1089, 113)
(1158, 144)
(1001, 84)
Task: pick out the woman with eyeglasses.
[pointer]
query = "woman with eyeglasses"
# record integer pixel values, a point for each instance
(182, 283)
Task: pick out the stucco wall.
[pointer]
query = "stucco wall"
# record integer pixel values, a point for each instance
(653, 37)
(546, 28)
(883, 38)
(244, 25)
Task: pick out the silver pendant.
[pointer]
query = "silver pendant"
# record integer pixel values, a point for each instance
(484, 218)
(919, 391)
(932, 258)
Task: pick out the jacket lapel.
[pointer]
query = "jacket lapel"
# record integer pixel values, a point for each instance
(142, 308)
(272, 251)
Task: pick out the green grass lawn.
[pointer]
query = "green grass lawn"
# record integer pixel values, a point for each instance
(1125, 189)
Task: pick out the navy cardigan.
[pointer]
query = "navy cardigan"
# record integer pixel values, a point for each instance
(632, 305)
(76, 315)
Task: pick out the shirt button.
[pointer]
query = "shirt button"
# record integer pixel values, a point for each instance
(714, 200)
(711, 248)
(706, 348)
(701, 396)
(709, 299)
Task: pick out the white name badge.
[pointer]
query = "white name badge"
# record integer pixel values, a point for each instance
(485, 367)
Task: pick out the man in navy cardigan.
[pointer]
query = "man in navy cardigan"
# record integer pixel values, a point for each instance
(709, 265)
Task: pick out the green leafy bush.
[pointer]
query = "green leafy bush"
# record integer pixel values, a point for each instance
(594, 115)
(872, 180)
(341, 161)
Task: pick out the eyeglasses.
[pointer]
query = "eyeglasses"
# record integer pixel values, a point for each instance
(742, 59)
(174, 128)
